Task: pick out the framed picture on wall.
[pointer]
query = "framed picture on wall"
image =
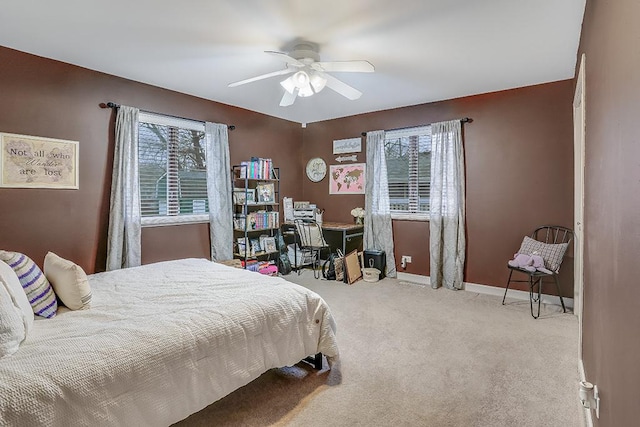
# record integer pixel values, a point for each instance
(347, 179)
(37, 162)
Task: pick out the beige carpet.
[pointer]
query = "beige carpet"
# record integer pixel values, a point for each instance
(414, 356)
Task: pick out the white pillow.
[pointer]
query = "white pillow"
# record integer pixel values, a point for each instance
(9, 278)
(12, 326)
(69, 282)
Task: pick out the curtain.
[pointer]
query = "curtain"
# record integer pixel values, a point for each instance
(447, 205)
(378, 233)
(123, 244)
(219, 191)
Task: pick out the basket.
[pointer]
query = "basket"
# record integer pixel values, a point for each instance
(370, 274)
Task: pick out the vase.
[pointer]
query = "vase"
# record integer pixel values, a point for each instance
(359, 221)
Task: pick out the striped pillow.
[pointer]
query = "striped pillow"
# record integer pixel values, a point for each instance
(38, 289)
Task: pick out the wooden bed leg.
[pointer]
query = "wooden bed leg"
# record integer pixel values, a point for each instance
(316, 361)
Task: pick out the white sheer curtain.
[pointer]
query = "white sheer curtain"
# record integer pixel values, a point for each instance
(378, 233)
(219, 191)
(123, 245)
(447, 205)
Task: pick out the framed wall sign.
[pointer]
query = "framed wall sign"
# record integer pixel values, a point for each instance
(347, 179)
(351, 145)
(37, 162)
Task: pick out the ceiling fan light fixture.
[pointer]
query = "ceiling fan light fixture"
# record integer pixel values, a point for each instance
(317, 82)
(301, 79)
(305, 91)
(288, 84)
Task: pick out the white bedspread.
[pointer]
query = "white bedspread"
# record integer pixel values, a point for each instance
(160, 342)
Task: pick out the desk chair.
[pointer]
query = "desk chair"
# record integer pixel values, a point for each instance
(311, 242)
(550, 242)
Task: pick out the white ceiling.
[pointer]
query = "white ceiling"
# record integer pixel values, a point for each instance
(423, 50)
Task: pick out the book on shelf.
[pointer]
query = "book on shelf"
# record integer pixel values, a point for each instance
(257, 168)
(263, 219)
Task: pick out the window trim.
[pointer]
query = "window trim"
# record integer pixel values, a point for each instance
(177, 122)
(410, 216)
(160, 221)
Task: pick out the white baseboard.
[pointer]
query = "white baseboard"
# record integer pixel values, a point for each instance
(489, 290)
(415, 278)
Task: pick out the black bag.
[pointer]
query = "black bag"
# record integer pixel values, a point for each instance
(329, 268)
(284, 264)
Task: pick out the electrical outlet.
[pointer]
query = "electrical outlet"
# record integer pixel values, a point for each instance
(406, 259)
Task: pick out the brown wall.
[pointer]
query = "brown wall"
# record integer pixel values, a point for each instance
(52, 99)
(519, 165)
(611, 321)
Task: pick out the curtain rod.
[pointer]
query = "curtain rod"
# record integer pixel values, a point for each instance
(114, 105)
(463, 120)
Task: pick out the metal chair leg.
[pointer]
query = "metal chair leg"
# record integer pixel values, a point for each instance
(555, 276)
(315, 265)
(507, 288)
(532, 284)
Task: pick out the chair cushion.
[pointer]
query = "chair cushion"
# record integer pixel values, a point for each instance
(551, 253)
(311, 235)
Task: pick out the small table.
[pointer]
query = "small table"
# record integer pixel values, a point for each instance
(347, 232)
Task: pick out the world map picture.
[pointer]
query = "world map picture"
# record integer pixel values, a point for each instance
(347, 179)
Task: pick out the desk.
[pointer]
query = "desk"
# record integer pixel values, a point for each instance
(347, 233)
(338, 235)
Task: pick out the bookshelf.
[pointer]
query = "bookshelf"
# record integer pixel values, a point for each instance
(256, 214)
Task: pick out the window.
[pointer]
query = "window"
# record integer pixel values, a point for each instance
(408, 155)
(172, 170)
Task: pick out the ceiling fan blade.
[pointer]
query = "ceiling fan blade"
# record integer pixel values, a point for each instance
(345, 66)
(286, 58)
(341, 87)
(260, 77)
(289, 98)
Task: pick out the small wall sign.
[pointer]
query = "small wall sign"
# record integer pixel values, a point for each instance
(351, 145)
(36, 162)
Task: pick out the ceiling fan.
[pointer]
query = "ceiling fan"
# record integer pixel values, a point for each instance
(310, 75)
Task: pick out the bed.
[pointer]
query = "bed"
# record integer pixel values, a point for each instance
(160, 342)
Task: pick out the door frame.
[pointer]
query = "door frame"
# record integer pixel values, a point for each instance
(579, 128)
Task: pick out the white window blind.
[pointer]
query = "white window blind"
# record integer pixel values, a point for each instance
(172, 168)
(408, 156)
